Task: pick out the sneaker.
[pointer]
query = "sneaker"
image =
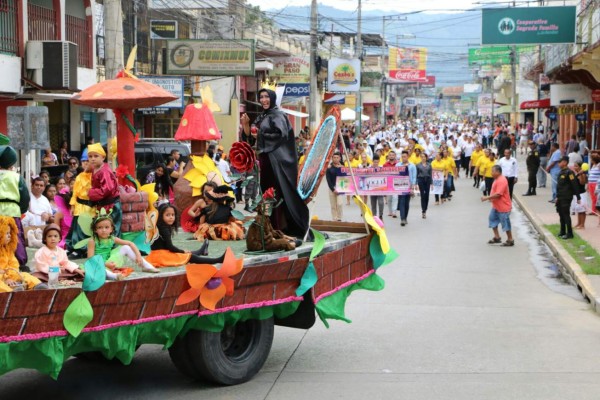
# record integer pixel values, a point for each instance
(402, 223)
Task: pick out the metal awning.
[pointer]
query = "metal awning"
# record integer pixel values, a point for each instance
(533, 104)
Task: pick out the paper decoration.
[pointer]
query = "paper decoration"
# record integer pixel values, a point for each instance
(95, 274)
(309, 278)
(78, 315)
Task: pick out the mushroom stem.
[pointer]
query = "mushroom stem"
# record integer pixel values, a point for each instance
(199, 147)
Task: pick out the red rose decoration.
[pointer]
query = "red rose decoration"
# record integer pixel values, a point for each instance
(122, 171)
(242, 157)
(269, 194)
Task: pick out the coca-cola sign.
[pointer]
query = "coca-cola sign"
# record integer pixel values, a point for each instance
(408, 75)
(596, 95)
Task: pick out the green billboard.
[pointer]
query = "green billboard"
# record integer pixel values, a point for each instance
(495, 55)
(528, 25)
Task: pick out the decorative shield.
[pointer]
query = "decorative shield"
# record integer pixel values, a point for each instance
(319, 155)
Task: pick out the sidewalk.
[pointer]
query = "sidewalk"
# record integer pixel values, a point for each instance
(541, 212)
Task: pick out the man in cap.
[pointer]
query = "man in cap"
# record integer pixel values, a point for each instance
(533, 164)
(566, 188)
(14, 198)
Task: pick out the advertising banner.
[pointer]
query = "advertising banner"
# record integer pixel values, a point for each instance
(171, 84)
(344, 75)
(291, 70)
(407, 64)
(160, 29)
(472, 88)
(210, 57)
(495, 55)
(374, 181)
(408, 75)
(429, 82)
(296, 90)
(437, 185)
(484, 104)
(528, 25)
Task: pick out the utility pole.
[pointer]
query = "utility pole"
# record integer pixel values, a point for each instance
(359, 52)
(314, 90)
(513, 74)
(113, 37)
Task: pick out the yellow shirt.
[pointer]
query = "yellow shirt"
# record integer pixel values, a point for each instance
(355, 163)
(475, 156)
(301, 160)
(450, 165)
(414, 159)
(384, 155)
(485, 168)
(439, 165)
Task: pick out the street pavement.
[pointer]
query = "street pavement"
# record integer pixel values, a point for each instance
(458, 319)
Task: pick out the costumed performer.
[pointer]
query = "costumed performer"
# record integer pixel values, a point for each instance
(14, 199)
(80, 203)
(278, 161)
(216, 221)
(165, 254)
(10, 277)
(104, 193)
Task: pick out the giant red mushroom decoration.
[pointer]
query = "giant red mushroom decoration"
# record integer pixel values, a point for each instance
(123, 94)
(198, 124)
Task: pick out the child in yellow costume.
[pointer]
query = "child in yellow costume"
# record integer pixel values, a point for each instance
(10, 277)
(80, 204)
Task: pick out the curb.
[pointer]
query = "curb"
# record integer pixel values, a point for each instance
(581, 279)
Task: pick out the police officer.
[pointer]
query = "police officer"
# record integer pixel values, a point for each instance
(533, 164)
(566, 188)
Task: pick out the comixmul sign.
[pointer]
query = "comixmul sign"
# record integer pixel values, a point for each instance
(344, 75)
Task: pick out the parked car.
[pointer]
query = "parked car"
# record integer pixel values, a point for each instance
(150, 153)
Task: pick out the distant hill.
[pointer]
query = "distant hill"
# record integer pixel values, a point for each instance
(446, 36)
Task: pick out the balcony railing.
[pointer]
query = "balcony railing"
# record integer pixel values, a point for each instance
(78, 32)
(9, 27)
(42, 23)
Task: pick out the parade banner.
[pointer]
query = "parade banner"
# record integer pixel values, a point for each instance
(210, 57)
(437, 186)
(374, 181)
(291, 70)
(344, 75)
(528, 25)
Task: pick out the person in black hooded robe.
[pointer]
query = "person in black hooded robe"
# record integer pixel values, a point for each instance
(278, 161)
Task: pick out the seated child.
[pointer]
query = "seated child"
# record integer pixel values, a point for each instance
(190, 219)
(165, 254)
(113, 249)
(10, 277)
(51, 254)
(216, 221)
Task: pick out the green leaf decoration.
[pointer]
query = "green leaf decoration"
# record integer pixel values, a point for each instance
(248, 223)
(309, 279)
(380, 259)
(85, 223)
(318, 244)
(4, 140)
(244, 184)
(95, 274)
(81, 244)
(235, 177)
(238, 215)
(78, 315)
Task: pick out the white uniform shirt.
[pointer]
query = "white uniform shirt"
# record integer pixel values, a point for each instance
(510, 167)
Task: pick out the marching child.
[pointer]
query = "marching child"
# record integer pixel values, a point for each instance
(113, 249)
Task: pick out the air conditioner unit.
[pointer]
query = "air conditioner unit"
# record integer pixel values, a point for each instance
(54, 64)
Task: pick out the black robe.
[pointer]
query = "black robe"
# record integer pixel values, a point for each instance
(279, 169)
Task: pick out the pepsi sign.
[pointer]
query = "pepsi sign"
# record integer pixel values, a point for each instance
(296, 90)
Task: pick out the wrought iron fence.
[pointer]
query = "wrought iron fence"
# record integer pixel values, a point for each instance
(78, 32)
(42, 23)
(9, 27)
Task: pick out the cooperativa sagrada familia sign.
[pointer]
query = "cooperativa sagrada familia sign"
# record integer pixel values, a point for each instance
(530, 25)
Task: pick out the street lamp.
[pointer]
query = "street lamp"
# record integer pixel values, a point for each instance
(404, 36)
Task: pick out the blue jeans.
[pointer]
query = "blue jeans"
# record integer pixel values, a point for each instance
(403, 206)
(554, 175)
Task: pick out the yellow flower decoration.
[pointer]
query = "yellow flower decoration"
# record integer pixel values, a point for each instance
(203, 165)
(368, 217)
(207, 99)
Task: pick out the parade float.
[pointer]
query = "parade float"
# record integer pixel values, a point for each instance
(217, 321)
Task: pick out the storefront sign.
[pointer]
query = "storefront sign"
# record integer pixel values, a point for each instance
(171, 84)
(569, 93)
(160, 29)
(344, 75)
(528, 25)
(408, 75)
(291, 70)
(527, 105)
(210, 57)
(596, 95)
(472, 88)
(495, 55)
(581, 117)
(374, 181)
(334, 98)
(409, 101)
(595, 115)
(429, 82)
(571, 110)
(552, 116)
(296, 90)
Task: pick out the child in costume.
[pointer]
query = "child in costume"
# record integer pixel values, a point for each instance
(10, 277)
(216, 221)
(51, 254)
(14, 198)
(113, 250)
(104, 193)
(165, 254)
(80, 205)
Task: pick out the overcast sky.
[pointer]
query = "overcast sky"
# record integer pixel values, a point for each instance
(397, 6)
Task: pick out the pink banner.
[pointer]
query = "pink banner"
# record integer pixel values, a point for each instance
(374, 181)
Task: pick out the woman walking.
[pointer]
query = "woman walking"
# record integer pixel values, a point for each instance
(424, 180)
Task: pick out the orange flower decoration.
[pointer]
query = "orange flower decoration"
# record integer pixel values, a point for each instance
(209, 283)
